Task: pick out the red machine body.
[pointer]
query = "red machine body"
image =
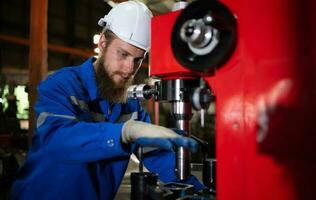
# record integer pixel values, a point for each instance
(265, 99)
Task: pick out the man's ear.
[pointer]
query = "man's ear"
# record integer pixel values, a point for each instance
(102, 42)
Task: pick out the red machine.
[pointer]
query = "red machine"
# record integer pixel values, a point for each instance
(262, 69)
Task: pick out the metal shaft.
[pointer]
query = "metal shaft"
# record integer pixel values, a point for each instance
(182, 112)
(140, 158)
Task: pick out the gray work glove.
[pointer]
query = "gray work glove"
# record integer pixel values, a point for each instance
(146, 134)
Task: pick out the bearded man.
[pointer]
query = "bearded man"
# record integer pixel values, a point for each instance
(87, 128)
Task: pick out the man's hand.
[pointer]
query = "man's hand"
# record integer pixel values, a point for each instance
(146, 134)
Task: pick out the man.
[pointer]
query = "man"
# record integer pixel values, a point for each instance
(86, 126)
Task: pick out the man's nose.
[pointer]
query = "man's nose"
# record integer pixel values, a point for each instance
(129, 66)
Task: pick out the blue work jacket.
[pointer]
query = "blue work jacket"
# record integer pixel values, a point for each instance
(76, 151)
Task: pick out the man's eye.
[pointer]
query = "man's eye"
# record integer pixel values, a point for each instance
(122, 54)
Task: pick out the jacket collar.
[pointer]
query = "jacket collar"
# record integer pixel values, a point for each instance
(88, 77)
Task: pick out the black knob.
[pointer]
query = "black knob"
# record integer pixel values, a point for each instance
(189, 30)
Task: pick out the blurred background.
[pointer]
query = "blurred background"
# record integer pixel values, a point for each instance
(63, 33)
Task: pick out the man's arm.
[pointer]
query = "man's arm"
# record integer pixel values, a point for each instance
(67, 138)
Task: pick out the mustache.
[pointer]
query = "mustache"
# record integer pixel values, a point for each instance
(127, 78)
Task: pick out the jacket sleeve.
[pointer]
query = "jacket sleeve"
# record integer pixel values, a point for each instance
(67, 139)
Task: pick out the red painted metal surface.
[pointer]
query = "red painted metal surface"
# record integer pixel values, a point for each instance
(265, 99)
(162, 62)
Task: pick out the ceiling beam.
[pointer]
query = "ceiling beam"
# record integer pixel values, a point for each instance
(53, 47)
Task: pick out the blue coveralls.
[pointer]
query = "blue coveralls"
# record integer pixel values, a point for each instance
(76, 152)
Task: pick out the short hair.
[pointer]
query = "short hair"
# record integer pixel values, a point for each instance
(109, 36)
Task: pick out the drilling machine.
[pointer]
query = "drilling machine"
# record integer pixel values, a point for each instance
(258, 58)
(201, 40)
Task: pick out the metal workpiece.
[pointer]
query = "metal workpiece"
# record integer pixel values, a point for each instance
(179, 190)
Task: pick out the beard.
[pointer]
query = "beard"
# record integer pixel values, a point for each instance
(108, 89)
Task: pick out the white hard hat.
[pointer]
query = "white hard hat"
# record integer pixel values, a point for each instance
(130, 21)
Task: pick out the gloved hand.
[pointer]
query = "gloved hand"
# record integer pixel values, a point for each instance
(146, 134)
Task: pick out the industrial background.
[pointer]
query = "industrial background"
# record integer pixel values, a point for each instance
(261, 74)
(26, 58)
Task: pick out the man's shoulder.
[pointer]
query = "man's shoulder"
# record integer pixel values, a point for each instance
(66, 79)
(66, 73)
(63, 75)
